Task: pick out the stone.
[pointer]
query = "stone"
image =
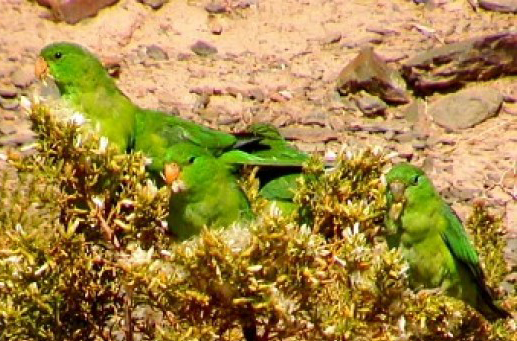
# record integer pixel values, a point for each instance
(369, 72)
(466, 108)
(23, 77)
(311, 135)
(8, 91)
(73, 11)
(215, 7)
(277, 97)
(7, 128)
(506, 6)
(370, 105)
(256, 94)
(452, 65)
(154, 4)
(337, 123)
(332, 38)
(215, 27)
(315, 118)
(9, 103)
(18, 139)
(203, 48)
(414, 110)
(155, 52)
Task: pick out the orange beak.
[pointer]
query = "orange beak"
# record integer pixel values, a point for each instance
(41, 68)
(171, 173)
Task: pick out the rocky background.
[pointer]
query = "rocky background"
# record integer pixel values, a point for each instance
(434, 81)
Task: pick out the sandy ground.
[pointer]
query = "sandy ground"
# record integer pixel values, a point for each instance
(288, 54)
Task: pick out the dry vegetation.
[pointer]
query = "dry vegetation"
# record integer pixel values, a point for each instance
(84, 255)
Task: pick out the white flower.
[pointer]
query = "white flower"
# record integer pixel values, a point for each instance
(25, 103)
(141, 257)
(103, 144)
(99, 202)
(274, 210)
(330, 155)
(77, 119)
(178, 186)
(19, 228)
(402, 325)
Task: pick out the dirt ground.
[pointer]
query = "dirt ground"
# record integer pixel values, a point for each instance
(287, 54)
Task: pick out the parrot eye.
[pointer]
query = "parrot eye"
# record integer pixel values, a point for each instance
(58, 55)
(191, 159)
(416, 179)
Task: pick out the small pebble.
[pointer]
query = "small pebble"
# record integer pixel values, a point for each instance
(202, 48)
(23, 77)
(215, 7)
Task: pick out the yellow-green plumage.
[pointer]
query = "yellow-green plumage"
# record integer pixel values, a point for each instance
(87, 88)
(433, 240)
(209, 194)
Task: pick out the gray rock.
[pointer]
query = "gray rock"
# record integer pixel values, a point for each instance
(466, 108)
(370, 105)
(7, 128)
(419, 145)
(511, 252)
(23, 77)
(256, 94)
(315, 118)
(155, 52)
(202, 48)
(404, 137)
(369, 72)
(415, 110)
(73, 11)
(332, 38)
(9, 103)
(311, 135)
(507, 6)
(452, 65)
(8, 91)
(154, 4)
(18, 139)
(215, 7)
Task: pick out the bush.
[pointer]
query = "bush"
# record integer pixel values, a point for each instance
(85, 255)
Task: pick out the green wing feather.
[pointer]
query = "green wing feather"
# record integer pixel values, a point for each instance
(458, 242)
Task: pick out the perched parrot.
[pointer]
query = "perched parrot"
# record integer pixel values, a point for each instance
(205, 191)
(88, 89)
(433, 241)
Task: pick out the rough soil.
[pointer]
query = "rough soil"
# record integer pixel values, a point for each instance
(287, 54)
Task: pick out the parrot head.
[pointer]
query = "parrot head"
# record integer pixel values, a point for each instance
(183, 165)
(406, 183)
(70, 66)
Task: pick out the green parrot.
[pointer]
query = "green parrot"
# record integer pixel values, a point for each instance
(433, 241)
(87, 88)
(205, 191)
